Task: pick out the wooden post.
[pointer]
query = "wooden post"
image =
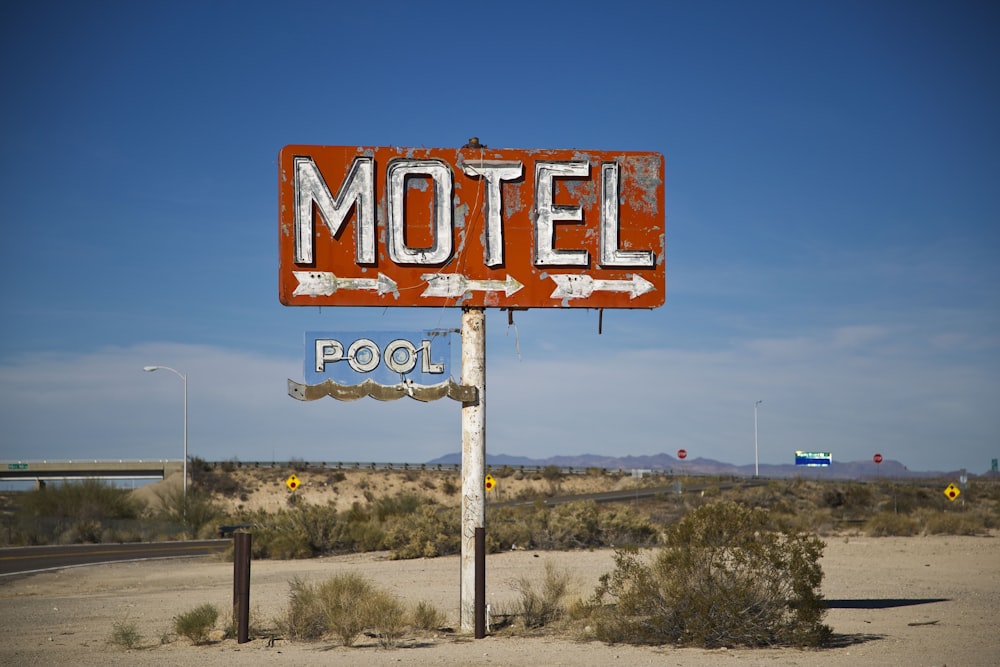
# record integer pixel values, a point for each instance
(241, 586)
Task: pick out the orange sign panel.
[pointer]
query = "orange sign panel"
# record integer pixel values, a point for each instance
(506, 228)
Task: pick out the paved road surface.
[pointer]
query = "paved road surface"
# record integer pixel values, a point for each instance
(17, 560)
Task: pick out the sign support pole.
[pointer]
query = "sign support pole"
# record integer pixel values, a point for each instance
(473, 461)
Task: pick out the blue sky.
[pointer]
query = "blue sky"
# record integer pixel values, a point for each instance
(832, 224)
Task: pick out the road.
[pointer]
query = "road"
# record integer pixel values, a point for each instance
(22, 560)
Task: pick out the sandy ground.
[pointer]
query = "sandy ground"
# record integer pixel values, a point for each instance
(896, 601)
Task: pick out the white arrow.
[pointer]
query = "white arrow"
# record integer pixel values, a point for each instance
(324, 283)
(572, 286)
(455, 284)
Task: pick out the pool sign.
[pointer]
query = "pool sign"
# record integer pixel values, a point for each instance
(813, 459)
(385, 357)
(508, 228)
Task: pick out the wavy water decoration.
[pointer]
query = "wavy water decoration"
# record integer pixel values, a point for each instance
(381, 392)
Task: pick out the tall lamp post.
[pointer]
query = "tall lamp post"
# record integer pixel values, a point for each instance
(150, 369)
(756, 465)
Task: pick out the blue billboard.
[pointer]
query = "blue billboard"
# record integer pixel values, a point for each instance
(385, 357)
(813, 459)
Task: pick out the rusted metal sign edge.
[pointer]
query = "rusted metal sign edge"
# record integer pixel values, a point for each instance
(506, 228)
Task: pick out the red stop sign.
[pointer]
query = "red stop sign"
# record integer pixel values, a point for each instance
(682, 453)
(877, 458)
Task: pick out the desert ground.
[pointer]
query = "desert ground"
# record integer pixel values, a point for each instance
(894, 601)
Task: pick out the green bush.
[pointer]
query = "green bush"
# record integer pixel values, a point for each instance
(197, 623)
(552, 473)
(723, 578)
(87, 500)
(400, 504)
(576, 525)
(308, 530)
(193, 511)
(125, 634)
(850, 497)
(425, 534)
(73, 512)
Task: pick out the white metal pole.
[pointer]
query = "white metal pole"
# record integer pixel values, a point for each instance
(756, 464)
(183, 377)
(473, 455)
(185, 487)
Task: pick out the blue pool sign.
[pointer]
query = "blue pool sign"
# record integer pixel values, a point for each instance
(385, 357)
(813, 459)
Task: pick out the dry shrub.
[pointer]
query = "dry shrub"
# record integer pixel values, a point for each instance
(385, 616)
(126, 635)
(890, 524)
(723, 578)
(342, 600)
(542, 603)
(954, 523)
(304, 618)
(426, 533)
(344, 605)
(816, 521)
(196, 623)
(449, 487)
(580, 524)
(427, 617)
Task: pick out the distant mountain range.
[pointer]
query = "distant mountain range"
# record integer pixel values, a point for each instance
(665, 462)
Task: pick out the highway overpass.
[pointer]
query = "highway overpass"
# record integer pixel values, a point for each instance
(43, 471)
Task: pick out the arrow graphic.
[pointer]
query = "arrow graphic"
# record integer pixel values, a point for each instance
(455, 284)
(572, 286)
(324, 283)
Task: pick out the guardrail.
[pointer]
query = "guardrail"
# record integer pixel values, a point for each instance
(300, 466)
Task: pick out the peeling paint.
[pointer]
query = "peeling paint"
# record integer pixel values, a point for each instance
(481, 228)
(425, 393)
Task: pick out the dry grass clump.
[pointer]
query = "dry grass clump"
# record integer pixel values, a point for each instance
(125, 634)
(197, 623)
(347, 605)
(955, 523)
(890, 524)
(541, 603)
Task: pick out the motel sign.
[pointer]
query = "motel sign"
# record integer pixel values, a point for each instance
(391, 226)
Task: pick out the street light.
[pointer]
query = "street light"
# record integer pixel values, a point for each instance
(150, 369)
(756, 466)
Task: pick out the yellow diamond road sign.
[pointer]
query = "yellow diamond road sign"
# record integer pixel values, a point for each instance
(952, 492)
(292, 482)
(490, 482)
